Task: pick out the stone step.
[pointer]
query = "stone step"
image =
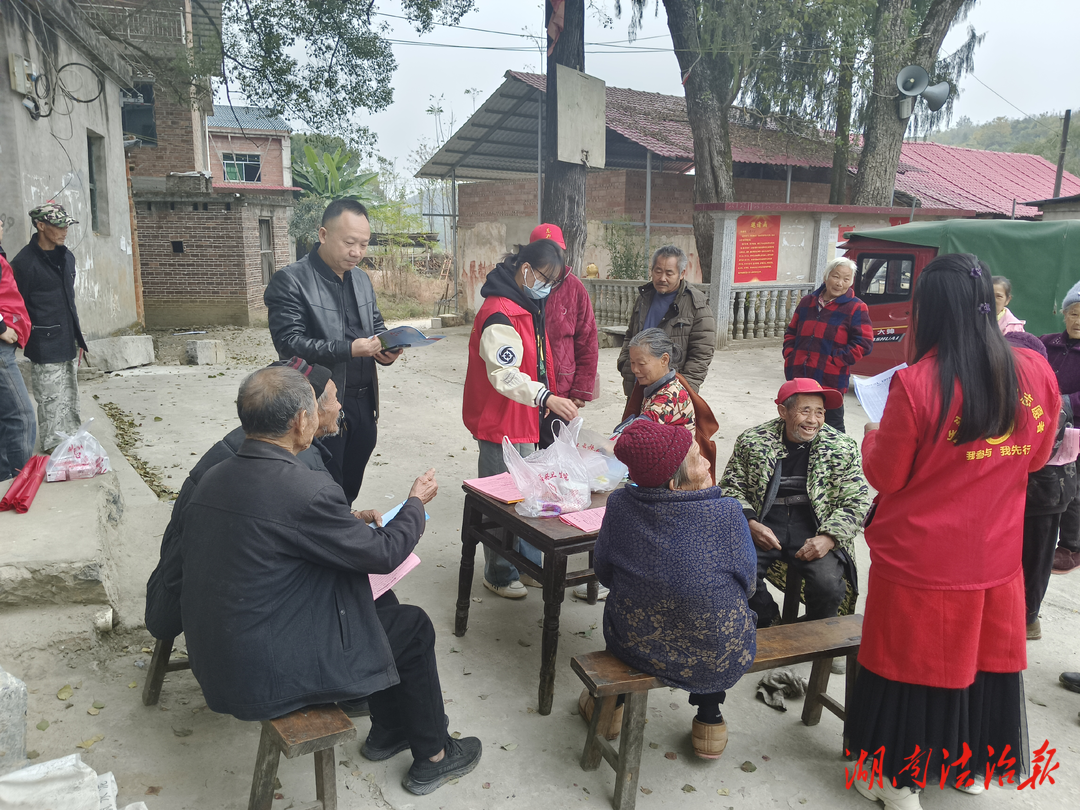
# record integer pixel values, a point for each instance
(58, 552)
(117, 353)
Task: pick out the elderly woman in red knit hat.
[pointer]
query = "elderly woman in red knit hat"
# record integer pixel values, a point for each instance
(679, 561)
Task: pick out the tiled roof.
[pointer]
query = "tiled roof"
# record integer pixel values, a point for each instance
(498, 141)
(660, 124)
(987, 182)
(247, 118)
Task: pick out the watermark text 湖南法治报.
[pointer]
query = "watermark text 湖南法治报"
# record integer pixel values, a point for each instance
(868, 768)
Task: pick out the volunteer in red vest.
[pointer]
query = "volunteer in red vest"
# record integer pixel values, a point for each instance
(944, 635)
(18, 427)
(571, 328)
(511, 383)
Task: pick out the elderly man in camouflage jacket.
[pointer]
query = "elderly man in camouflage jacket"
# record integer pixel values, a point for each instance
(802, 489)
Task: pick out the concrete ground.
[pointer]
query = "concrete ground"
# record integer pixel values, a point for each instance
(179, 754)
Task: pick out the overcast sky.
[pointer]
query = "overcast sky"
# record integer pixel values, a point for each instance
(1029, 59)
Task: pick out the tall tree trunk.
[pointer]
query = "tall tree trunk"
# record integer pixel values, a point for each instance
(884, 132)
(893, 49)
(708, 79)
(842, 148)
(564, 183)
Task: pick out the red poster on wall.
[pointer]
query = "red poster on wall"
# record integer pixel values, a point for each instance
(757, 248)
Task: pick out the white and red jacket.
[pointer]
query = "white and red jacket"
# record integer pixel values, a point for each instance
(510, 373)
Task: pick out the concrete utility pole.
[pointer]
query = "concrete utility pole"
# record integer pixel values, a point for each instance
(1061, 154)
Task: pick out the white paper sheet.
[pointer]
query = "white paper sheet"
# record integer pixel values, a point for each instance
(874, 391)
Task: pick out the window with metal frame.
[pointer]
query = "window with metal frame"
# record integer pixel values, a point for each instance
(266, 250)
(884, 278)
(96, 186)
(242, 168)
(137, 115)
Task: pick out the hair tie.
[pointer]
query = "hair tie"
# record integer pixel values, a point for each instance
(975, 271)
(984, 308)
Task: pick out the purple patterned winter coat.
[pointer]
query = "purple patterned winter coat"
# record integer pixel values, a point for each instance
(680, 566)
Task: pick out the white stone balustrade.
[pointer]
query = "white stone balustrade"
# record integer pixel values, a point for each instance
(755, 311)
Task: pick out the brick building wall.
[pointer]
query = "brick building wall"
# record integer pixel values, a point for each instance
(774, 191)
(619, 194)
(177, 150)
(268, 147)
(217, 278)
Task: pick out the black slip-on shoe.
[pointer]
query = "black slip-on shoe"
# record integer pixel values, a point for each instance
(460, 758)
(355, 708)
(381, 744)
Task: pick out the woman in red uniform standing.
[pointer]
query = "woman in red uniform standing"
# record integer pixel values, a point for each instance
(944, 637)
(510, 385)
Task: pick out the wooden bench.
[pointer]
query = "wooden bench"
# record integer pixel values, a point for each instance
(313, 730)
(606, 677)
(159, 666)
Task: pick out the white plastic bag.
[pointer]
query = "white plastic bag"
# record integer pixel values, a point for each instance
(598, 453)
(78, 456)
(554, 480)
(66, 783)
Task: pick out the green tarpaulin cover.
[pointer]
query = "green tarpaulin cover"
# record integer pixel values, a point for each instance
(1041, 259)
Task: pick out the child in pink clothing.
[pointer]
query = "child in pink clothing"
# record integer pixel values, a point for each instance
(1007, 322)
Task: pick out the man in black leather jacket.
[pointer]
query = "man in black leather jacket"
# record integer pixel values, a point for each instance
(45, 273)
(322, 308)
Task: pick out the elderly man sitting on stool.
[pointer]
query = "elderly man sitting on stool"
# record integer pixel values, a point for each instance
(277, 605)
(803, 493)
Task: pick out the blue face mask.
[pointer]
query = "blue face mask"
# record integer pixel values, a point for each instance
(539, 289)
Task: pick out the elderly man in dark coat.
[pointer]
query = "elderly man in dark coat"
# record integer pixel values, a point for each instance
(163, 589)
(277, 606)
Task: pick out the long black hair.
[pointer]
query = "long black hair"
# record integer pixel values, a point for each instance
(542, 255)
(953, 308)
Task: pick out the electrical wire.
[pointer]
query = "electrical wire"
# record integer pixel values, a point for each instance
(509, 33)
(1026, 115)
(94, 71)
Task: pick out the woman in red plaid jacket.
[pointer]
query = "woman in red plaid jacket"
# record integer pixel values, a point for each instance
(829, 332)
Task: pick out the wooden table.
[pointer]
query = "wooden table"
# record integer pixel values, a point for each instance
(496, 524)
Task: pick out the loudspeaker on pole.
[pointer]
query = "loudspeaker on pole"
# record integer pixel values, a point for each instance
(912, 80)
(937, 95)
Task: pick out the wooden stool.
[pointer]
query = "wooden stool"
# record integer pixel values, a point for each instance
(606, 677)
(313, 730)
(159, 666)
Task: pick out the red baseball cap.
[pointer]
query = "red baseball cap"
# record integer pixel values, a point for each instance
(804, 385)
(546, 230)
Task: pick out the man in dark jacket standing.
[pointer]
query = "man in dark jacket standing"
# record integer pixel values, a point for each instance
(277, 606)
(668, 302)
(322, 308)
(45, 273)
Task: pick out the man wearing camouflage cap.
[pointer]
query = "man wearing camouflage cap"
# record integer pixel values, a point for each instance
(45, 273)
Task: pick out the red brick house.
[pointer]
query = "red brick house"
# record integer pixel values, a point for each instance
(213, 214)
